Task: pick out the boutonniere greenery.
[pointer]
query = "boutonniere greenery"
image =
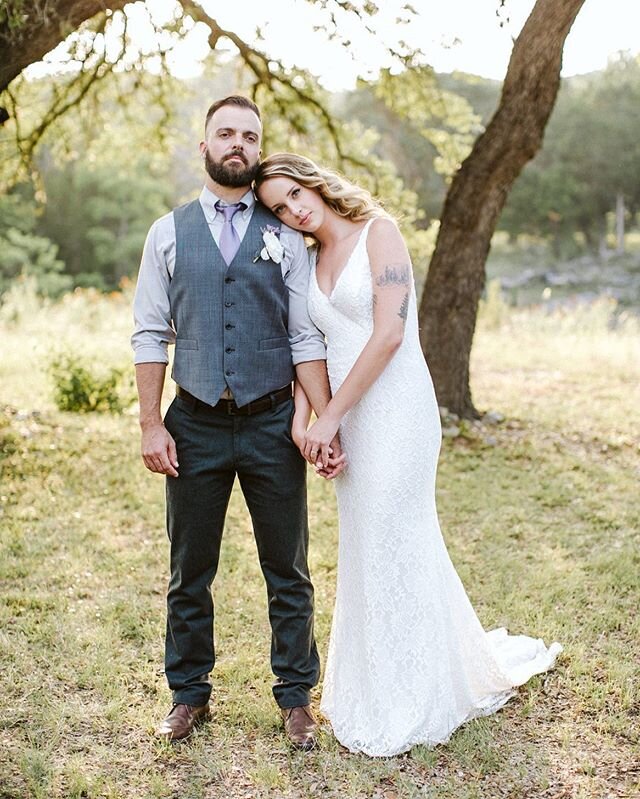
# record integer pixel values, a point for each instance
(273, 249)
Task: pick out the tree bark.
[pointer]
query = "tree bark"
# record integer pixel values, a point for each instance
(41, 28)
(456, 277)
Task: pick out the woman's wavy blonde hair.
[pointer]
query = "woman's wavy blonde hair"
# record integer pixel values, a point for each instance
(338, 193)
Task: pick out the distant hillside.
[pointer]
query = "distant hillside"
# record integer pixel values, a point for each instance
(482, 94)
(404, 145)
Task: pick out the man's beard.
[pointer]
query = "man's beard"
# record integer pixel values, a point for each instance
(230, 175)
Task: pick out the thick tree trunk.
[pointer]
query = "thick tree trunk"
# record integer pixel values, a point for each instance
(39, 27)
(456, 277)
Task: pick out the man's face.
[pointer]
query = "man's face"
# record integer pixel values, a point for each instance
(231, 147)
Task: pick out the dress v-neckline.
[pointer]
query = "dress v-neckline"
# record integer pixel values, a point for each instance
(344, 268)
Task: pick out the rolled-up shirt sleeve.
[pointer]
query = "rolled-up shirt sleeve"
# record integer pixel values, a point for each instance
(153, 330)
(306, 341)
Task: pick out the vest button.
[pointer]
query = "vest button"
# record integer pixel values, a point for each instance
(229, 326)
(229, 304)
(230, 349)
(229, 372)
(229, 280)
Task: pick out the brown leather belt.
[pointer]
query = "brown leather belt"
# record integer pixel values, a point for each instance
(230, 408)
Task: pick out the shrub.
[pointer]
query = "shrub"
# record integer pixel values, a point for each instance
(78, 388)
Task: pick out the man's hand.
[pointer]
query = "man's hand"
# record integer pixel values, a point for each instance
(336, 463)
(318, 439)
(159, 450)
(328, 460)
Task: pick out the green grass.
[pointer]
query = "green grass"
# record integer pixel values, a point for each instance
(543, 528)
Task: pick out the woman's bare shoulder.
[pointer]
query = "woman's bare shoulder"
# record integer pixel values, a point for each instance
(385, 239)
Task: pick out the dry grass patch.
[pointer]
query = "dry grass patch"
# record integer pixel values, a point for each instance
(543, 528)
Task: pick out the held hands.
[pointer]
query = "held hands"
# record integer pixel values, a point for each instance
(321, 447)
(336, 461)
(159, 450)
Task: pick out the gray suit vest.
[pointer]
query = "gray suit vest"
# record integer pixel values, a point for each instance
(230, 322)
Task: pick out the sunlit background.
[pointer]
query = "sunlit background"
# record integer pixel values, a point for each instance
(474, 36)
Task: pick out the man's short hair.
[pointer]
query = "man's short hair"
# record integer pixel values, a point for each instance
(232, 99)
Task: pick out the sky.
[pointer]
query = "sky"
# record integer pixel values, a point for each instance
(465, 35)
(454, 34)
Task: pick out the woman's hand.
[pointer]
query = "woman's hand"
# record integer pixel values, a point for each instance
(337, 461)
(317, 441)
(335, 464)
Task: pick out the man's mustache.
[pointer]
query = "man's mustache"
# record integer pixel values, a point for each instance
(239, 155)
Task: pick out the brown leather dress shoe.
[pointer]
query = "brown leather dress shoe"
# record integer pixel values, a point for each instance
(181, 721)
(300, 726)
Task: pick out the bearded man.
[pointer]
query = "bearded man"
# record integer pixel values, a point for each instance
(226, 282)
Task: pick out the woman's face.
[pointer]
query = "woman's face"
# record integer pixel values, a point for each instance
(298, 207)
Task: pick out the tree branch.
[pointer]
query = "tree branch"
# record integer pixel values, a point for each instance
(73, 94)
(30, 30)
(261, 66)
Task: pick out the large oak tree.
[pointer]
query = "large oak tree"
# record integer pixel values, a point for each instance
(478, 192)
(448, 308)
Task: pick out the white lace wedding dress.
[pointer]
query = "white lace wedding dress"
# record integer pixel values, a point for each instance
(408, 659)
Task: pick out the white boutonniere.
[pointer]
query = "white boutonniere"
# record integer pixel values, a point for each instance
(273, 248)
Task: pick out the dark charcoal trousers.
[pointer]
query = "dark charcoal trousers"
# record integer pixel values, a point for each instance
(212, 449)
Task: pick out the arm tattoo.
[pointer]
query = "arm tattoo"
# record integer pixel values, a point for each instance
(375, 300)
(404, 308)
(394, 276)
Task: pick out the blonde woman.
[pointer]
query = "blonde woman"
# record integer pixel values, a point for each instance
(408, 659)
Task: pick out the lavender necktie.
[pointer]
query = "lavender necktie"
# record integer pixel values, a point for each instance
(229, 239)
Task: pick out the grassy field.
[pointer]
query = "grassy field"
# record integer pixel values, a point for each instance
(540, 513)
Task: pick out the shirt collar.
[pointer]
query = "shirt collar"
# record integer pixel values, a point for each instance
(208, 202)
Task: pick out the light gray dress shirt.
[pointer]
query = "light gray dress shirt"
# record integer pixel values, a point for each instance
(151, 310)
